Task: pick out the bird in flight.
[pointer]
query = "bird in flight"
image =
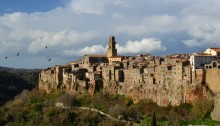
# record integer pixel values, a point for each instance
(6, 57)
(46, 47)
(49, 60)
(17, 54)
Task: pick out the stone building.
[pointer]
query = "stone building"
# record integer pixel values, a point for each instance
(162, 71)
(213, 51)
(93, 60)
(198, 60)
(51, 78)
(180, 71)
(133, 75)
(108, 72)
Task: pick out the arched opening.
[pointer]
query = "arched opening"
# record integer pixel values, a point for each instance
(214, 64)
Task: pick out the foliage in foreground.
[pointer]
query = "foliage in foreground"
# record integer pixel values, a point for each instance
(37, 108)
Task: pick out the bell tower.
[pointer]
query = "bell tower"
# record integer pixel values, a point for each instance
(111, 51)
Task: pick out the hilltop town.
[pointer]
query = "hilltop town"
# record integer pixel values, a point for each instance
(166, 80)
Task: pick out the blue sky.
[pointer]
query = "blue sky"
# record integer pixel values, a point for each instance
(72, 28)
(30, 6)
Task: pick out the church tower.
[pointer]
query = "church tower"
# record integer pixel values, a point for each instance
(111, 51)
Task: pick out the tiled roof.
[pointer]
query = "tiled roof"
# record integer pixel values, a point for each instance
(95, 55)
(116, 57)
(74, 62)
(216, 49)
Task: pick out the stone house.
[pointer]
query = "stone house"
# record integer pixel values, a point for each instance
(187, 75)
(108, 72)
(213, 51)
(67, 78)
(93, 60)
(198, 60)
(133, 75)
(179, 71)
(161, 71)
(125, 64)
(74, 64)
(51, 78)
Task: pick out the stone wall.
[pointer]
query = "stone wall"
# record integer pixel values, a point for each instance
(216, 112)
(213, 79)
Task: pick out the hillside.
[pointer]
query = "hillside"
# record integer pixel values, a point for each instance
(14, 81)
(59, 108)
(34, 107)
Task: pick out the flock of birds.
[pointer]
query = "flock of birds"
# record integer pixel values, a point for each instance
(19, 54)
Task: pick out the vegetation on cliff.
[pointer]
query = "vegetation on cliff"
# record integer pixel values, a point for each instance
(37, 108)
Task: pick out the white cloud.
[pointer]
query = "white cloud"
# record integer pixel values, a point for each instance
(61, 39)
(117, 16)
(88, 6)
(145, 45)
(95, 49)
(192, 43)
(152, 24)
(204, 29)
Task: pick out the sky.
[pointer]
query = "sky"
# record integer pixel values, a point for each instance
(73, 28)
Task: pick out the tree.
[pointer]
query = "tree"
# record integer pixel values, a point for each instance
(153, 120)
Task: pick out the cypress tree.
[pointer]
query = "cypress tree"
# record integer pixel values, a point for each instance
(154, 120)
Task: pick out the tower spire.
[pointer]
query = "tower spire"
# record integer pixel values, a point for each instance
(111, 51)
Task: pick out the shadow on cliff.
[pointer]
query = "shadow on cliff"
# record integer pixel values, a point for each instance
(14, 82)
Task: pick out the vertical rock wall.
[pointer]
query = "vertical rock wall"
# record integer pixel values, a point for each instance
(216, 112)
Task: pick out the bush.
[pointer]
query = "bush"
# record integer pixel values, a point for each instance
(202, 108)
(9, 118)
(117, 110)
(68, 100)
(129, 102)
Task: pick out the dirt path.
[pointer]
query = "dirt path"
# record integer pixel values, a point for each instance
(100, 112)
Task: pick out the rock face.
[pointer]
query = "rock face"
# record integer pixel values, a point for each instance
(216, 112)
(170, 90)
(164, 95)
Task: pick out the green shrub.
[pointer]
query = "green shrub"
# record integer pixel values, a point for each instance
(129, 102)
(9, 118)
(117, 110)
(202, 108)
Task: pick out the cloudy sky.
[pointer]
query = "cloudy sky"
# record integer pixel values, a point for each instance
(72, 28)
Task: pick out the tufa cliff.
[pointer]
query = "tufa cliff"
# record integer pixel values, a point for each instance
(168, 80)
